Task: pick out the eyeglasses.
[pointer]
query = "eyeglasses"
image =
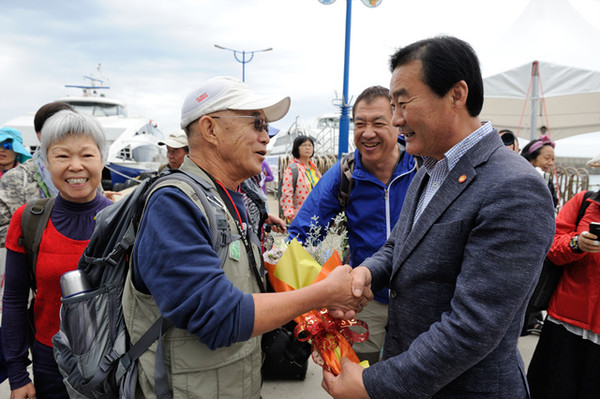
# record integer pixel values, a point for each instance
(259, 124)
(7, 145)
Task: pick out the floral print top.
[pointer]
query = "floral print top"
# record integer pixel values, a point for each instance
(291, 201)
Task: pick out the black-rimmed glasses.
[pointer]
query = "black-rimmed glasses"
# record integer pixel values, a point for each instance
(259, 123)
(7, 145)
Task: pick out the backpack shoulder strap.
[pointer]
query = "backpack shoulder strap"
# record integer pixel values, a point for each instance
(584, 204)
(346, 182)
(294, 169)
(199, 191)
(33, 223)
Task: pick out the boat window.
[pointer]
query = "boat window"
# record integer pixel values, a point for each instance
(143, 153)
(151, 128)
(148, 153)
(98, 109)
(125, 154)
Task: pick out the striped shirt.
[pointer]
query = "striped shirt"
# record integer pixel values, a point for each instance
(438, 171)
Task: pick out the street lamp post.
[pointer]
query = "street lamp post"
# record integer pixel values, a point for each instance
(243, 60)
(344, 117)
(345, 107)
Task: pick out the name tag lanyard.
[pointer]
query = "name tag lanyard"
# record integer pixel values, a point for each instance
(235, 214)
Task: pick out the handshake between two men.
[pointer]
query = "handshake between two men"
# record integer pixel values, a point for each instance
(358, 295)
(344, 293)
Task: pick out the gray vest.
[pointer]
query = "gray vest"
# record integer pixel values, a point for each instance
(194, 370)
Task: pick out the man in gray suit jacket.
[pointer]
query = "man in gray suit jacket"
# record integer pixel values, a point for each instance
(465, 255)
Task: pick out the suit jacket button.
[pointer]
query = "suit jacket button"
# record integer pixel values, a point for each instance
(393, 294)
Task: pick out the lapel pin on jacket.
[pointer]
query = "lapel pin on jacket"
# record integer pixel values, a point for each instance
(462, 178)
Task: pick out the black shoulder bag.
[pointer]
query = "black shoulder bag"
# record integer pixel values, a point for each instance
(551, 273)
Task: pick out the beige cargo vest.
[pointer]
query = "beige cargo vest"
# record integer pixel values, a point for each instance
(194, 370)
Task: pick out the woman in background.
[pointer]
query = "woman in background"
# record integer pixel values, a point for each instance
(31, 179)
(540, 154)
(73, 148)
(566, 361)
(12, 152)
(293, 194)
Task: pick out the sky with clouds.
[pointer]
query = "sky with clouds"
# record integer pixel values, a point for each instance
(154, 52)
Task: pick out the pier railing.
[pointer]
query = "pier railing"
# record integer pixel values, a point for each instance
(570, 181)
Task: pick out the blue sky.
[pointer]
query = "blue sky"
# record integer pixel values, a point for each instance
(154, 52)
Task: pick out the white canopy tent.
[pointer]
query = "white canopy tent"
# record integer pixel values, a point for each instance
(542, 97)
(555, 33)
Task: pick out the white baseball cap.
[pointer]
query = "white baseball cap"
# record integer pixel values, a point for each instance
(176, 139)
(224, 92)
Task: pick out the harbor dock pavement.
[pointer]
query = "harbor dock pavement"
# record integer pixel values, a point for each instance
(310, 388)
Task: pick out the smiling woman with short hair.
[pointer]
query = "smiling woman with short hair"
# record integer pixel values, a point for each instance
(74, 148)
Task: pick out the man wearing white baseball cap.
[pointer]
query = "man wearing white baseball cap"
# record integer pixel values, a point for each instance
(216, 304)
(177, 149)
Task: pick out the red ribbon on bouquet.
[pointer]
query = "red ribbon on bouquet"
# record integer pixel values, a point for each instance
(331, 338)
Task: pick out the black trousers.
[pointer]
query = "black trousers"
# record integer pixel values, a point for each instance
(564, 365)
(46, 377)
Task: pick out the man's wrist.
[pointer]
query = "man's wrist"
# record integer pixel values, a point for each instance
(574, 245)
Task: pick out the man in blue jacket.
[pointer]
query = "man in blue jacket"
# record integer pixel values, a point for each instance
(380, 178)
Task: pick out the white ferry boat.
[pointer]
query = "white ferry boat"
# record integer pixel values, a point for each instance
(132, 140)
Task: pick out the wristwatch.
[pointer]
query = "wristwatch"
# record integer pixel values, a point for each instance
(574, 244)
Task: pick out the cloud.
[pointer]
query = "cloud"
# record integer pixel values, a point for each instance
(154, 52)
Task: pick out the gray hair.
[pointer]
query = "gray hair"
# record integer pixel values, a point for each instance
(67, 123)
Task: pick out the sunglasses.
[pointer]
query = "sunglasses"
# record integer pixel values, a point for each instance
(7, 145)
(259, 124)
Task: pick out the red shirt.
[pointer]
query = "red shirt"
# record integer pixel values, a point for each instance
(57, 255)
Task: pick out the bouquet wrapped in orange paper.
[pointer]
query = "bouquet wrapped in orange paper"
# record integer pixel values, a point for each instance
(291, 268)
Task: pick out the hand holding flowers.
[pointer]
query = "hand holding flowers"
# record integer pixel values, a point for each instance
(291, 267)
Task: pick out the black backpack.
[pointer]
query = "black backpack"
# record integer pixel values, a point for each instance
(346, 182)
(33, 223)
(551, 273)
(92, 348)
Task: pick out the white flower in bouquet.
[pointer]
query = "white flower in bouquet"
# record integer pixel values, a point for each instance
(335, 238)
(274, 254)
